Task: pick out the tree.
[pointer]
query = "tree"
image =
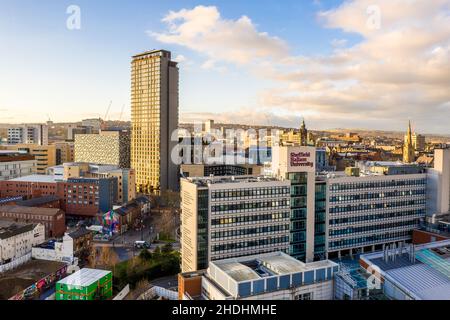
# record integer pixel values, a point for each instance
(167, 248)
(145, 255)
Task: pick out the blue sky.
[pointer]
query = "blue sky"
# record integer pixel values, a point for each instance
(70, 75)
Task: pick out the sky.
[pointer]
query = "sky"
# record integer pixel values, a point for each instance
(372, 64)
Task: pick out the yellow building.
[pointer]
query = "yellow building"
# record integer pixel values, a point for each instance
(154, 118)
(44, 155)
(64, 152)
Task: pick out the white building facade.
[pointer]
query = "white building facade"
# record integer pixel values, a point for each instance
(272, 276)
(366, 213)
(17, 240)
(225, 217)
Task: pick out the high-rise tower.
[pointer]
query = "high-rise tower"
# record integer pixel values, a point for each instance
(154, 117)
(408, 148)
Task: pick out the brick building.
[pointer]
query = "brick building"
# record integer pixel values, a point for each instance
(52, 218)
(78, 196)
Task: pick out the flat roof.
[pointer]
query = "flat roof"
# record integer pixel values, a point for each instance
(36, 178)
(426, 277)
(203, 181)
(259, 266)
(31, 210)
(239, 272)
(85, 277)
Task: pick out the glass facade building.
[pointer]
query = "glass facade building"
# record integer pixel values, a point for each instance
(368, 212)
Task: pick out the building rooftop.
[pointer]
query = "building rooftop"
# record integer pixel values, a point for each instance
(31, 210)
(424, 276)
(37, 201)
(85, 277)
(10, 199)
(80, 232)
(205, 181)
(10, 229)
(36, 178)
(265, 265)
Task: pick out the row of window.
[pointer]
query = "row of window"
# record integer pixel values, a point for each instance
(366, 240)
(249, 244)
(248, 219)
(250, 231)
(376, 184)
(374, 228)
(374, 206)
(376, 195)
(375, 217)
(226, 194)
(246, 206)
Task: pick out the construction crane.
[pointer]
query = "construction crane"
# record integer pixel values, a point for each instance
(107, 110)
(121, 112)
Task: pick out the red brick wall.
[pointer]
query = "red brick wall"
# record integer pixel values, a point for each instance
(420, 237)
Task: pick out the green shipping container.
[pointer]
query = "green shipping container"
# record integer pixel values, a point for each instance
(86, 284)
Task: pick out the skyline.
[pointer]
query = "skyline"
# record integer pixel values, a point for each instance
(320, 61)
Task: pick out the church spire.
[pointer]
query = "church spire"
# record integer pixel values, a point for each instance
(408, 148)
(303, 134)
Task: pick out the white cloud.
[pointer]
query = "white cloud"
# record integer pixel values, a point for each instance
(202, 29)
(398, 71)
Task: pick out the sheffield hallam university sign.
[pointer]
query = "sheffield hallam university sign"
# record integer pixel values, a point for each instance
(301, 159)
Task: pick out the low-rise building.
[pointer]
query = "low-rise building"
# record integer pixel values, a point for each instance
(74, 247)
(17, 239)
(271, 276)
(80, 197)
(15, 164)
(86, 284)
(52, 219)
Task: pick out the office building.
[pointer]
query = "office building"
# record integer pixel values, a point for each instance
(271, 276)
(126, 185)
(45, 155)
(225, 217)
(418, 141)
(419, 272)
(369, 211)
(65, 152)
(28, 134)
(95, 124)
(17, 239)
(16, 164)
(154, 118)
(107, 147)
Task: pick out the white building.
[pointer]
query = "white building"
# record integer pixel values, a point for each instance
(18, 239)
(271, 276)
(225, 217)
(29, 134)
(54, 250)
(15, 165)
(438, 179)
